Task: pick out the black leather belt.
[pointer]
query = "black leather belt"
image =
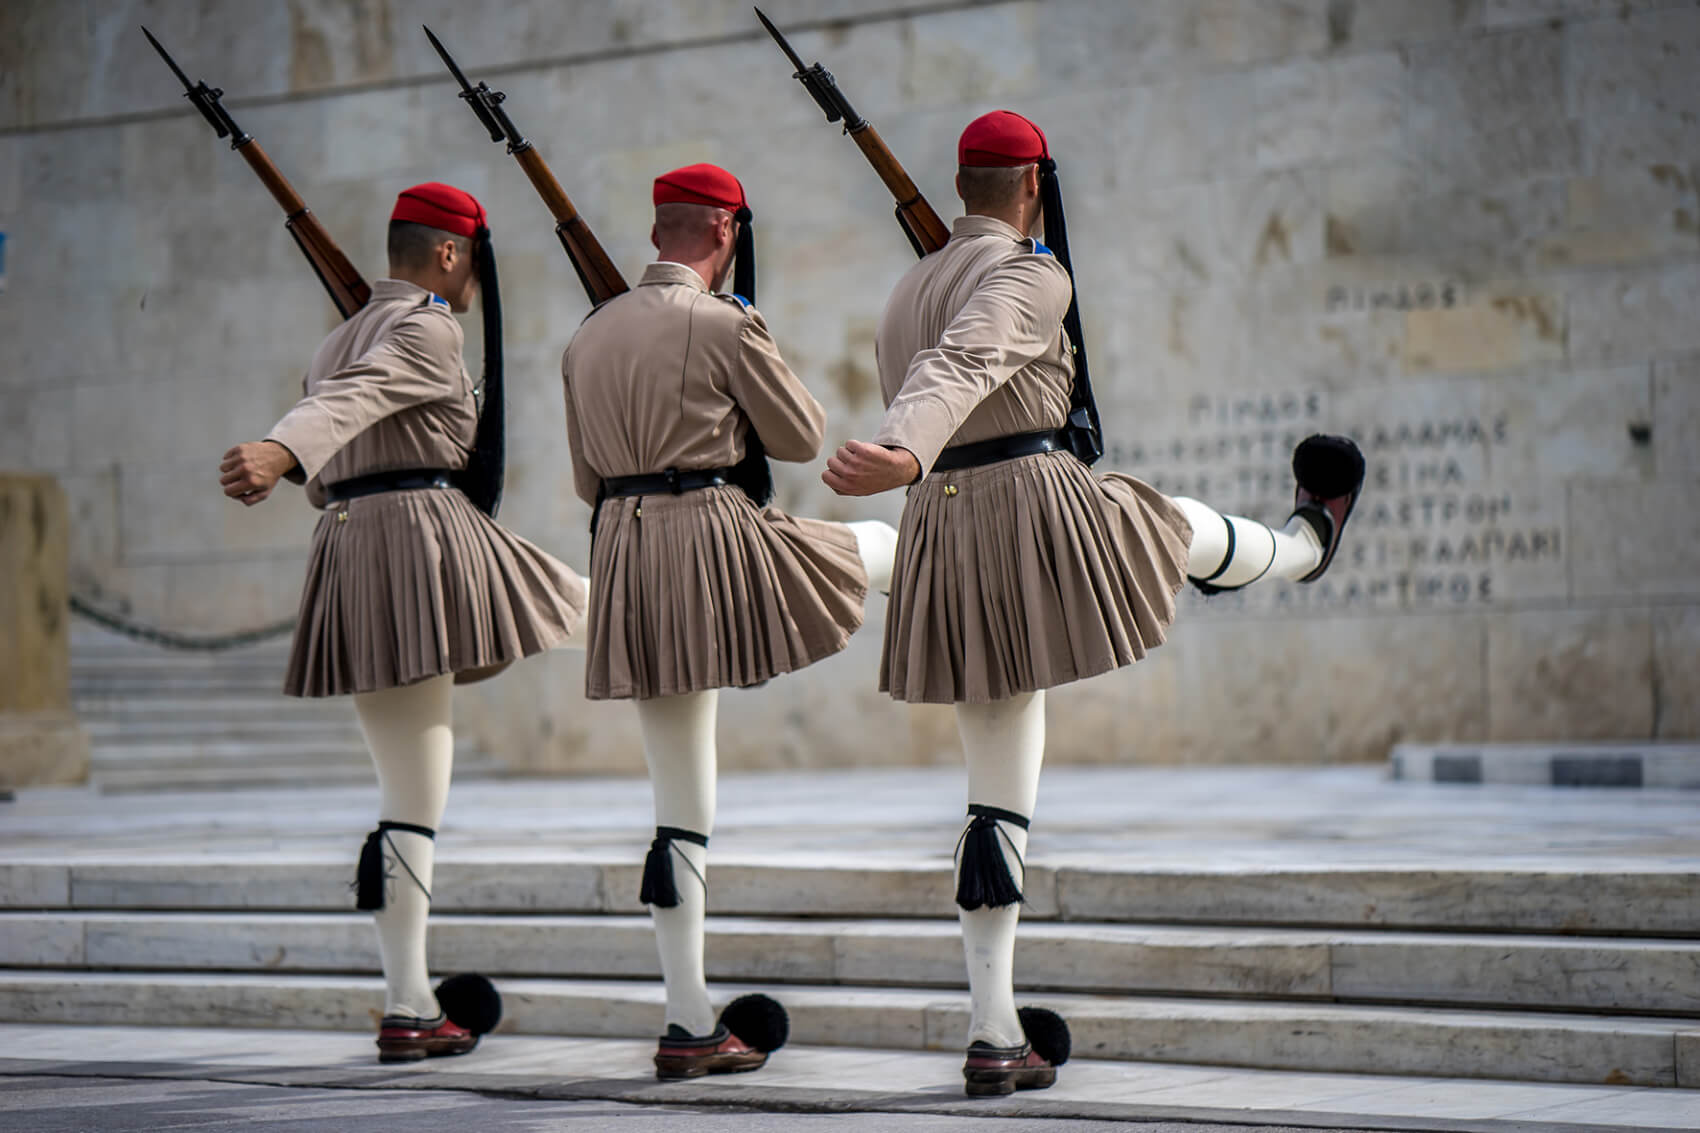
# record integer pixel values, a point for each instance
(1001, 448)
(673, 482)
(400, 480)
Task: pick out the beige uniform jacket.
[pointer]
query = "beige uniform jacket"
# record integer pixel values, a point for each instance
(698, 590)
(672, 375)
(387, 390)
(404, 586)
(1026, 573)
(971, 345)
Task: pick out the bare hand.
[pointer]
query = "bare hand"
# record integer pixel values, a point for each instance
(250, 471)
(861, 469)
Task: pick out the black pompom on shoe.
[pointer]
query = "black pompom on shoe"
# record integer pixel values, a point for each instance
(758, 1020)
(1047, 1033)
(471, 1001)
(1330, 472)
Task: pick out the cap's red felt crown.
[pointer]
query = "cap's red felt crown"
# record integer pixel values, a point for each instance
(440, 206)
(701, 184)
(1001, 138)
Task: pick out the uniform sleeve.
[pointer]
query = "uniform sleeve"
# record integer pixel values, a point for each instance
(787, 418)
(1014, 316)
(417, 363)
(587, 482)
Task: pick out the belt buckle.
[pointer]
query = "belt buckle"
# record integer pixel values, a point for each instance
(671, 476)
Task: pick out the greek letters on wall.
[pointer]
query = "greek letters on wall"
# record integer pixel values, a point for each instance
(1436, 527)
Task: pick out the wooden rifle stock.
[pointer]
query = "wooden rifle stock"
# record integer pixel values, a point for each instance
(925, 229)
(347, 289)
(602, 280)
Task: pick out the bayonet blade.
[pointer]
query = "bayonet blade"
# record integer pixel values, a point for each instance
(169, 61)
(448, 59)
(784, 44)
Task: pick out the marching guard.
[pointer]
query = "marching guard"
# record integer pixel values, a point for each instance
(1017, 570)
(411, 585)
(673, 391)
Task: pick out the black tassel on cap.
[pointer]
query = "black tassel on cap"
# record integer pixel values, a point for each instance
(369, 874)
(752, 473)
(744, 253)
(982, 873)
(481, 480)
(1085, 431)
(658, 888)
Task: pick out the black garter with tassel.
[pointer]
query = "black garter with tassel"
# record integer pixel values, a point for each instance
(982, 874)
(658, 888)
(369, 875)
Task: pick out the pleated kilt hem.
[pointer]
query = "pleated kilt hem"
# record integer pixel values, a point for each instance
(704, 590)
(416, 584)
(1028, 574)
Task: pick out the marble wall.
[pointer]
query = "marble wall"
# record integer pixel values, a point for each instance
(1468, 233)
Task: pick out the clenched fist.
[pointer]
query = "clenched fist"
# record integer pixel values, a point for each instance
(861, 469)
(250, 471)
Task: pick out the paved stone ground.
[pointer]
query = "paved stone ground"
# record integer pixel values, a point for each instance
(1228, 816)
(119, 1105)
(799, 1080)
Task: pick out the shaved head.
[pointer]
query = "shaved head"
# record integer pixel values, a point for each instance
(413, 247)
(990, 188)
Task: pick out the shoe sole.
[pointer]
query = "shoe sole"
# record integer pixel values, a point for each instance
(413, 1051)
(673, 1070)
(1000, 1083)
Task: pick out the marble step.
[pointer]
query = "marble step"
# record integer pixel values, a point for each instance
(106, 732)
(1603, 901)
(189, 753)
(1622, 976)
(1644, 764)
(210, 708)
(1285, 1036)
(346, 767)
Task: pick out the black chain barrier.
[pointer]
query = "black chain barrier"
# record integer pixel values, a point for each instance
(212, 643)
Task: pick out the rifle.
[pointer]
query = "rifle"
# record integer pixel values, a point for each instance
(347, 290)
(926, 232)
(601, 279)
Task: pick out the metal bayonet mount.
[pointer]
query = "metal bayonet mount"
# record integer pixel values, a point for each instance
(485, 103)
(206, 100)
(818, 81)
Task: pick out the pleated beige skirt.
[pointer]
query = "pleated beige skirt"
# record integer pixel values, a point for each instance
(703, 590)
(416, 584)
(1028, 574)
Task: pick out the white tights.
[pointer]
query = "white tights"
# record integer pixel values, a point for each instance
(410, 733)
(678, 745)
(1004, 743)
(1256, 551)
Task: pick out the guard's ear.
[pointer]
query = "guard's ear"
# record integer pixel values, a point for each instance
(1030, 181)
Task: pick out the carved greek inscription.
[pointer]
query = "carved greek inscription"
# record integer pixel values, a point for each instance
(1434, 528)
(1426, 295)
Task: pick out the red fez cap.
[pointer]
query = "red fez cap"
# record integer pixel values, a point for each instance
(702, 184)
(1001, 138)
(440, 206)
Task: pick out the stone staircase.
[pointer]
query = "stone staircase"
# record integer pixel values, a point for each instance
(1531, 974)
(162, 720)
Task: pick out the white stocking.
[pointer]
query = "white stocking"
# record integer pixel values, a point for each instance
(678, 745)
(1255, 550)
(876, 542)
(410, 732)
(1005, 746)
